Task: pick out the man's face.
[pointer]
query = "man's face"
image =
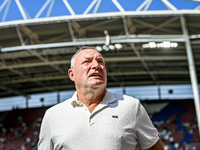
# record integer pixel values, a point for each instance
(89, 70)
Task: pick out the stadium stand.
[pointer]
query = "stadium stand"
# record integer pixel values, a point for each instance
(175, 121)
(177, 125)
(20, 128)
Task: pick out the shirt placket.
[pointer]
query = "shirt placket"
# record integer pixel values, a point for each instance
(88, 115)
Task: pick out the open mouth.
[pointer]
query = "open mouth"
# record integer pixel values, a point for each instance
(95, 75)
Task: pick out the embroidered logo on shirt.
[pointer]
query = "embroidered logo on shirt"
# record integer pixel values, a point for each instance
(114, 116)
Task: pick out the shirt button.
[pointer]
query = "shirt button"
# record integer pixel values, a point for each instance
(91, 123)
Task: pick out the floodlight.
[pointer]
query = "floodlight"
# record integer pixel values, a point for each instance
(166, 44)
(105, 48)
(99, 48)
(152, 44)
(118, 46)
(112, 47)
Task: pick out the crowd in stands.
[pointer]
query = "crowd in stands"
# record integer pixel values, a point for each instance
(180, 130)
(176, 123)
(19, 129)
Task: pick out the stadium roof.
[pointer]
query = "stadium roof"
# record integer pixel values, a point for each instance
(141, 46)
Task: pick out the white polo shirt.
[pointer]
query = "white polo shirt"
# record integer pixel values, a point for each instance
(119, 122)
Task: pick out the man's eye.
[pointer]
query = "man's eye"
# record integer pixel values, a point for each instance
(86, 62)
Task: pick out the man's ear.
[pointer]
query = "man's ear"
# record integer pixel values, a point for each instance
(71, 74)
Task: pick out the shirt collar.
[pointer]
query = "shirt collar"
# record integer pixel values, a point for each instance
(108, 98)
(75, 102)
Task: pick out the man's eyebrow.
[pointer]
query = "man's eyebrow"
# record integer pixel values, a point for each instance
(87, 57)
(92, 57)
(99, 57)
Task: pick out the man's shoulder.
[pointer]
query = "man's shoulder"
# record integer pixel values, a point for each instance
(126, 101)
(59, 107)
(126, 105)
(127, 98)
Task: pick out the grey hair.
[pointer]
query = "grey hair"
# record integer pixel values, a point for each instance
(82, 48)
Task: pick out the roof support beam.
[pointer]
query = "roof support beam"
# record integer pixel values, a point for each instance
(154, 27)
(169, 5)
(3, 4)
(11, 90)
(78, 29)
(113, 75)
(192, 70)
(162, 25)
(101, 40)
(71, 32)
(69, 7)
(42, 9)
(45, 60)
(146, 3)
(20, 35)
(110, 59)
(118, 5)
(50, 8)
(22, 10)
(144, 63)
(35, 37)
(22, 76)
(7, 9)
(97, 6)
(90, 7)
(125, 27)
(66, 18)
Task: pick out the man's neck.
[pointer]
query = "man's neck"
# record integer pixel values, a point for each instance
(91, 98)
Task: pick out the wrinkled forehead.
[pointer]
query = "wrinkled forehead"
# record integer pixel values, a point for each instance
(89, 53)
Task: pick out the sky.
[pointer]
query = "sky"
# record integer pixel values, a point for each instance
(79, 6)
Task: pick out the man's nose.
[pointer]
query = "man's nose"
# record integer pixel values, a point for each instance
(95, 64)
